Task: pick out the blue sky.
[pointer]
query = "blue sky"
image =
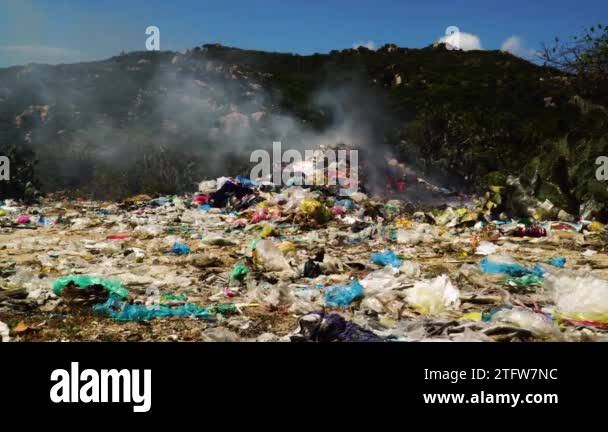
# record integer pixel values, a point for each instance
(78, 30)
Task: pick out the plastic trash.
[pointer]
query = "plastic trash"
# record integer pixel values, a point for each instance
(596, 226)
(486, 248)
(180, 249)
(23, 219)
(118, 237)
(471, 316)
(270, 256)
(267, 231)
(200, 199)
(264, 214)
(322, 327)
(525, 280)
(207, 187)
(311, 269)
(385, 258)
(532, 231)
(345, 204)
(579, 297)
(114, 287)
(122, 311)
(434, 296)
(239, 271)
(4, 332)
(315, 210)
(507, 265)
(409, 237)
(380, 280)
(343, 295)
(557, 262)
(338, 211)
(245, 181)
(537, 324)
(168, 297)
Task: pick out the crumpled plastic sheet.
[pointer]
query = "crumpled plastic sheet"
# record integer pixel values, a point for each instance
(507, 265)
(343, 295)
(385, 258)
(122, 311)
(114, 287)
(579, 296)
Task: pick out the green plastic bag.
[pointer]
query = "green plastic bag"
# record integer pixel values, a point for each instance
(239, 271)
(114, 287)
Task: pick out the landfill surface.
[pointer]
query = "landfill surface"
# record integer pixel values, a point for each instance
(239, 261)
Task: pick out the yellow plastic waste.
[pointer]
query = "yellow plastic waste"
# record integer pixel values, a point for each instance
(469, 216)
(315, 210)
(461, 212)
(403, 222)
(596, 226)
(267, 231)
(287, 247)
(472, 316)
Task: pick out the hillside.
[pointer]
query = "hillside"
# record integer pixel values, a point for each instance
(158, 122)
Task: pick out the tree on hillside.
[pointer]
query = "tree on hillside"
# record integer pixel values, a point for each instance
(585, 56)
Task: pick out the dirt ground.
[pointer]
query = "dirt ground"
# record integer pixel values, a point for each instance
(132, 243)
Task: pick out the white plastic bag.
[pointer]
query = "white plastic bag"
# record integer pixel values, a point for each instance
(535, 323)
(271, 257)
(486, 248)
(431, 297)
(578, 297)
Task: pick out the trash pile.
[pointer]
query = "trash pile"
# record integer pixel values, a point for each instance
(240, 261)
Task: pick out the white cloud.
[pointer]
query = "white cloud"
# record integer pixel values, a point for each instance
(516, 46)
(39, 53)
(371, 45)
(462, 40)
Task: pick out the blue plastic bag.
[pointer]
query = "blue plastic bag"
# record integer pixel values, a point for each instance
(385, 258)
(122, 311)
(343, 295)
(180, 249)
(487, 265)
(345, 203)
(557, 262)
(245, 181)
